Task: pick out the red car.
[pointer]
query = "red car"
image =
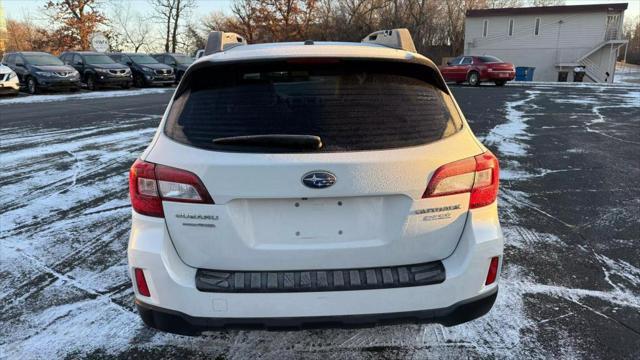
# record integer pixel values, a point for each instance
(476, 69)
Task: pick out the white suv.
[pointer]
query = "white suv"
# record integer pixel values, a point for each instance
(313, 184)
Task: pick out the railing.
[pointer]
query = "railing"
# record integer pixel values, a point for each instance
(613, 31)
(593, 70)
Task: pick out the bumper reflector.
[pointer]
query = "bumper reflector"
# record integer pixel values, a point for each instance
(141, 283)
(493, 270)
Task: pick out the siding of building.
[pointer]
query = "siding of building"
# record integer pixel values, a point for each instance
(562, 38)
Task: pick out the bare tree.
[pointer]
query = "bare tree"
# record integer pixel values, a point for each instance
(246, 13)
(547, 2)
(182, 8)
(163, 10)
(134, 29)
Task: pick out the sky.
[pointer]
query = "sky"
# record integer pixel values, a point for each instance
(14, 9)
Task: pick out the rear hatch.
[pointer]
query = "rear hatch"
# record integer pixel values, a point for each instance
(313, 165)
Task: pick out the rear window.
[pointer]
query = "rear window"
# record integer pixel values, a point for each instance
(489, 59)
(349, 105)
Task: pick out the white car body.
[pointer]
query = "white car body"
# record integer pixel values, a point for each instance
(9, 83)
(263, 224)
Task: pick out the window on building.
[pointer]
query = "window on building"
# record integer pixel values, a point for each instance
(511, 27)
(536, 31)
(485, 28)
(562, 76)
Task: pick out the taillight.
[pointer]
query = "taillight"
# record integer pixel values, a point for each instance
(492, 274)
(150, 184)
(477, 175)
(141, 283)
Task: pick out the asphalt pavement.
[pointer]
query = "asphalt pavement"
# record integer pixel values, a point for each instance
(569, 206)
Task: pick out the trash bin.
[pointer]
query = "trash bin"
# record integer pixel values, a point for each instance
(578, 74)
(524, 73)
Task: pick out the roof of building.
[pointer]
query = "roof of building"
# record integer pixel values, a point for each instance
(540, 10)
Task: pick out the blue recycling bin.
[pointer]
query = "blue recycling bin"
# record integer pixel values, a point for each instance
(524, 73)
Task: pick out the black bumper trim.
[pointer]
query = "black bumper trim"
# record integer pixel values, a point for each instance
(320, 280)
(180, 323)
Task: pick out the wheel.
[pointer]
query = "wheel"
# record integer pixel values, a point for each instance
(473, 79)
(500, 82)
(91, 83)
(32, 86)
(138, 81)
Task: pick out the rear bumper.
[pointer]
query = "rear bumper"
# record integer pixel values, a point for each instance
(501, 75)
(174, 294)
(177, 322)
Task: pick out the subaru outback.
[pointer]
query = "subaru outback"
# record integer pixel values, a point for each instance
(313, 184)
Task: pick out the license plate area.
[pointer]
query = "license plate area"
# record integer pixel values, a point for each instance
(315, 221)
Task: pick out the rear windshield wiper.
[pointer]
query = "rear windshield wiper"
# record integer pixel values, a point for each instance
(284, 141)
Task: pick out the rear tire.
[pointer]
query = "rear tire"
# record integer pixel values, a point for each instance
(473, 78)
(32, 86)
(500, 82)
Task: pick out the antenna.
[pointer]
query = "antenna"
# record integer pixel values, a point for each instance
(221, 41)
(395, 38)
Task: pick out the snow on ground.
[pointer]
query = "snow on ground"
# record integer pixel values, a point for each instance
(627, 74)
(85, 95)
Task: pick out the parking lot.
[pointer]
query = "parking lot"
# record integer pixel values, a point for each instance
(569, 206)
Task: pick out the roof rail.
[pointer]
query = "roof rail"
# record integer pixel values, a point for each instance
(395, 38)
(220, 41)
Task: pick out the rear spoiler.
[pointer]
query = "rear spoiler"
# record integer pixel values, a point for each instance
(220, 41)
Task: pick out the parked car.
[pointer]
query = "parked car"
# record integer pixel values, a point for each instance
(40, 70)
(9, 84)
(179, 62)
(301, 184)
(477, 69)
(146, 70)
(97, 69)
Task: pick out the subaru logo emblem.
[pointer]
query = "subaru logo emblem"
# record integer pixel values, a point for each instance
(318, 179)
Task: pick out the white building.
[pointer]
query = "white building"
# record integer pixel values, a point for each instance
(556, 40)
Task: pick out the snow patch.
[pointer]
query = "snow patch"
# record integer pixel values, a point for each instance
(89, 95)
(509, 137)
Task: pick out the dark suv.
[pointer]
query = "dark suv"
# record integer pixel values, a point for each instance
(40, 70)
(97, 69)
(179, 62)
(146, 70)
